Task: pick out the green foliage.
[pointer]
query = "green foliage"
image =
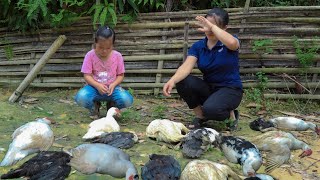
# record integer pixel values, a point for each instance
(257, 94)
(131, 91)
(152, 3)
(159, 111)
(8, 49)
(130, 115)
(104, 13)
(262, 46)
(221, 3)
(305, 51)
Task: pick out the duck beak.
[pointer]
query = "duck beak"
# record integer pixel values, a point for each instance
(305, 153)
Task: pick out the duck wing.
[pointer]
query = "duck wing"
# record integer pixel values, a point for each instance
(123, 140)
(280, 154)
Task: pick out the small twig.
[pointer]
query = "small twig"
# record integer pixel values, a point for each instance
(183, 111)
(287, 76)
(62, 137)
(312, 164)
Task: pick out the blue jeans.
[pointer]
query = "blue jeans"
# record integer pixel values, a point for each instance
(87, 95)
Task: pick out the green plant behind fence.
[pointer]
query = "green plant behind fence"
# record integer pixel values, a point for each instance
(306, 51)
(262, 46)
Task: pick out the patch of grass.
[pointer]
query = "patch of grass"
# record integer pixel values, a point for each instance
(130, 115)
(159, 111)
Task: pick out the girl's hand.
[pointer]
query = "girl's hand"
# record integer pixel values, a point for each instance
(103, 89)
(167, 88)
(111, 88)
(204, 23)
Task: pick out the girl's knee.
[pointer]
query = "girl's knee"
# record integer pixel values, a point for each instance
(123, 98)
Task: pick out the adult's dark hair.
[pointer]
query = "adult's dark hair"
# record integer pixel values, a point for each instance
(105, 32)
(221, 14)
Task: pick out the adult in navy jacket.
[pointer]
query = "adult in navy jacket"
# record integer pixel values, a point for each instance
(219, 92)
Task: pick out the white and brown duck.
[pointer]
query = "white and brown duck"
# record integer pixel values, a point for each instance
(103, 125)
(28, 139)
(240, 151)
(279, 145)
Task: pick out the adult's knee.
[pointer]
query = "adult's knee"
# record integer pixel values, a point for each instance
(215, 112)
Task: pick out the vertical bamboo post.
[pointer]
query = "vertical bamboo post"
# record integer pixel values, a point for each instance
(245, 11)
(160, 64)
(37, 68)
(185, 40)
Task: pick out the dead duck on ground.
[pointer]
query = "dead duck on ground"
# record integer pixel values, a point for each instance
(29, 139)
(279, 145)
(241, 151)
(161, 167)
(47, 165)
(103, 159)
(198, 141)
(284, 123)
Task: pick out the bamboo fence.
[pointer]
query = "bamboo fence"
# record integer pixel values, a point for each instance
(155, 45)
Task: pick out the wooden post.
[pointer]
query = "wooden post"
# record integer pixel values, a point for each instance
(160, 63)
(245, 11)
(185, 39)
(37, 68)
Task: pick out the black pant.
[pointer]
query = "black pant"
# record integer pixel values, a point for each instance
(217, 102)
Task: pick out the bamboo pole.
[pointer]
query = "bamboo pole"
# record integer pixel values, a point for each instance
(37, 68)
(292, 96)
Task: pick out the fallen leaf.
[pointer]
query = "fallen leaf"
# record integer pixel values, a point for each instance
(253, 105)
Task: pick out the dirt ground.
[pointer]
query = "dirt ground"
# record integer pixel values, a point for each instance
(72, 123)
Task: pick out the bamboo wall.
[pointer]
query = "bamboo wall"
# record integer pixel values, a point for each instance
(154, 46)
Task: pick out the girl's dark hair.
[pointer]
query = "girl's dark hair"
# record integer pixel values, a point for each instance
(105, 32)
(223, 17)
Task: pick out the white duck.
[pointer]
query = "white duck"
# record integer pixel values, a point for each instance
(103, 159)
(294, 124)
(205, 169)
(28, 139)
(103, 125)
(166, 130)
(280, 144)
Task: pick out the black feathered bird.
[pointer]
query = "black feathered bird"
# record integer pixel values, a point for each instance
(47, 165)
(161, 167)
(123, 140)
(260, 124)
(198, 141)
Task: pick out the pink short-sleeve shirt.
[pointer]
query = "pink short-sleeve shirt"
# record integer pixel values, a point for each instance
(103, 71)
